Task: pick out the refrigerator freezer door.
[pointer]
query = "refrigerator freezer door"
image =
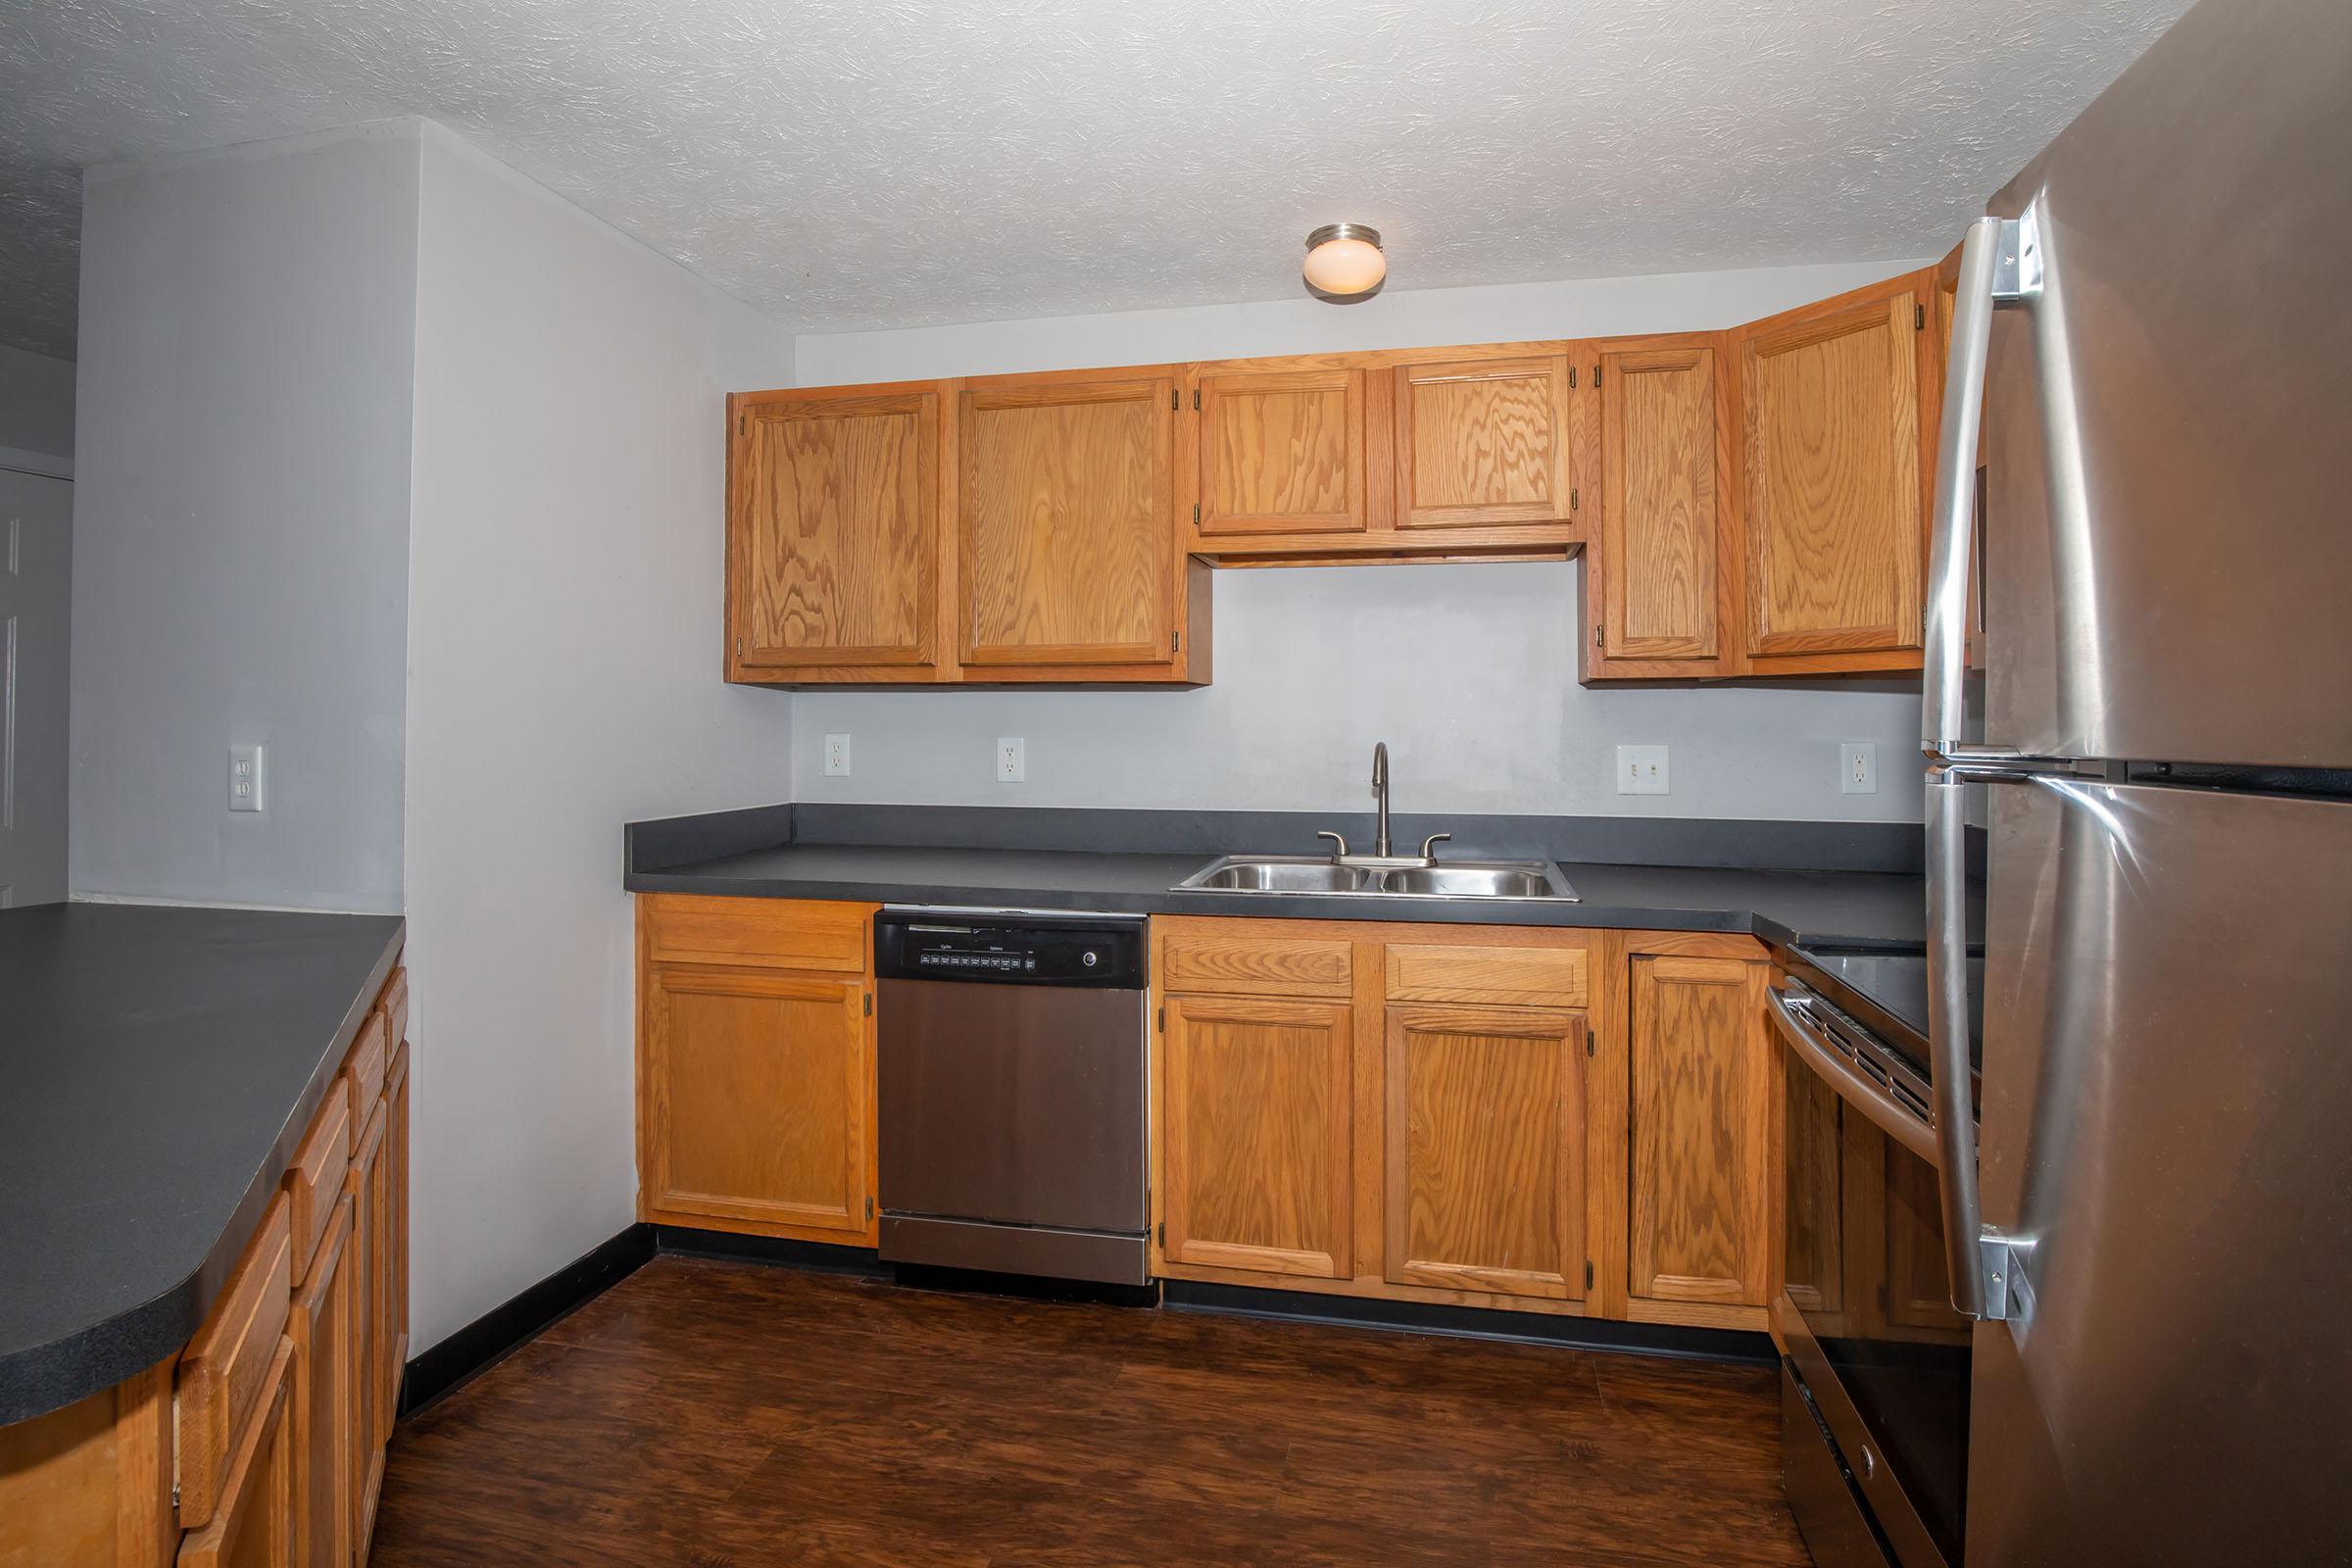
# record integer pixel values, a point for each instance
(2167, 1118)
(2165, 549)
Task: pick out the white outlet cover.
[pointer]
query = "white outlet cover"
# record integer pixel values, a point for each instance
(245, 778)
(1642, 771)
(837, 756)
(1858, 768)
(1013, 759)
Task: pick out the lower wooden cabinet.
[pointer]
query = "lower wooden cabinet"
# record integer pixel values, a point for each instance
(1255, 1133)
(1704, 1079)
(371, 1193)
(756, 1075)
(1485, 1149)
(252, 1527)
(324, 1431)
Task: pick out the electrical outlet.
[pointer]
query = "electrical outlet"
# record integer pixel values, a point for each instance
(837, 756)
(1858, 768)
(1642, 771)
(1012, 761)
(244, 778)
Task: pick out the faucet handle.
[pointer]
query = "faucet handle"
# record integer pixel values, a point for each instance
(1339, 854)
(1429, 845)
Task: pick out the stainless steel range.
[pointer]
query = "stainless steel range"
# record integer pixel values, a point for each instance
(1013, 1099)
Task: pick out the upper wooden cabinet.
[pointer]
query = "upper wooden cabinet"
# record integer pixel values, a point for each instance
(1483, 442)
(1066, 523)
(833, 543)
(1654, 579)
(1835, 482)
(1281, 452)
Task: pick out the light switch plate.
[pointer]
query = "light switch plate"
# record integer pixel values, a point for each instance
(837, 756)
(1858, 768)
(245, 778)
(1642, 771)
(1013, 759)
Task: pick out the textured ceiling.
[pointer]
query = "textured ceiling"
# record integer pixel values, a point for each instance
(870, 163)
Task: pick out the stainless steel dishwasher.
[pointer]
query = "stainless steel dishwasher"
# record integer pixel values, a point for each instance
(1011, 1081)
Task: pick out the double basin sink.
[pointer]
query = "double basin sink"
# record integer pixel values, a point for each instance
(1322, 876)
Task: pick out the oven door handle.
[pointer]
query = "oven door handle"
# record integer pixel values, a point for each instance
(1853, 1085)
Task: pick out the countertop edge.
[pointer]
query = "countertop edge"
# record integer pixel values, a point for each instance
(40, 1379)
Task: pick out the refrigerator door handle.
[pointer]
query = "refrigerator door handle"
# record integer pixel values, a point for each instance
(1948, 1031)
(1996, 264)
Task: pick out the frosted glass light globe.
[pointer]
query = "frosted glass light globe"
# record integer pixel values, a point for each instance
(1344, 259)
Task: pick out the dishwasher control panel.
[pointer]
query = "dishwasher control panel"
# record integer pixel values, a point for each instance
(1105, 953)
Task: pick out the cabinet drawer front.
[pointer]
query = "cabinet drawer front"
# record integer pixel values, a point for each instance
(225, 1371)
(1526, 977)
(252, 1522)
(763, 933)
(1255, 966)
(316, 1183)
(395, 1008)
(364, 1067)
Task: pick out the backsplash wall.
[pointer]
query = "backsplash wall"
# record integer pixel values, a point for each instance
(1467, 671)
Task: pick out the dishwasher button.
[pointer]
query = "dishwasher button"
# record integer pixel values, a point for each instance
(1089, 960)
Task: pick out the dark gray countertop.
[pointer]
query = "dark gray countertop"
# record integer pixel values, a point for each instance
(157, 1068)
(1779, 905)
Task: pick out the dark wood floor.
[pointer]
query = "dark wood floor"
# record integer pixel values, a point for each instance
(717, 1415)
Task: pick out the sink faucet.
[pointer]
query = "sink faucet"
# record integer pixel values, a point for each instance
(1381, 858)
(1379, 793)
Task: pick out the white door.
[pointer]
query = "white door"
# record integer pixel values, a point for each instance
(37, 554)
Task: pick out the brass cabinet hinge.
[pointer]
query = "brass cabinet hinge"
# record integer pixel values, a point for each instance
(1196, 400)
(739, 648)
(1572, 498)
(1164, 1020)
(742, 423)
(1588, 1040)
(1175, 399)
(1597, 376)
(869, 1210)
(1572, 377)
(1196, 514)
(1597, 642)
(870, 1003)
(1588, 1273)
(1919, 316)
(1164, 1233)
(1175, 642)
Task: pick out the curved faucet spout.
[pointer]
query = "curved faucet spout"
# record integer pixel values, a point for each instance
(1379, 793)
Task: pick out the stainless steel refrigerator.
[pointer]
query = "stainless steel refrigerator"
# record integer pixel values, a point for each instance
(2154, 1224)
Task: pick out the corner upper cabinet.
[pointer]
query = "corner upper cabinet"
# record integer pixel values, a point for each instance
(834, 540)
(1837, 398)
(1280, 453)
(1484, 443)
(1068, 563)
(1655, 577)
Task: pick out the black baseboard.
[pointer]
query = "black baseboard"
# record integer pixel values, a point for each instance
(485, 1342)
(1022, 1287)
(822, 1257)
(1472, 1322)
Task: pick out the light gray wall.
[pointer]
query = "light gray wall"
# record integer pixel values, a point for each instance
(1468, 671)
(242, 520)
(565, 579)
(37, 403)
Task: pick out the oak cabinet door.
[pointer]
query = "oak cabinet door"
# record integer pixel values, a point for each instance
(392, 1301)
(760, 1090)
(1281, 452)
(1835, 549)
(1485, 1149)
(1657, 564)
(1066, 520)
(834, 554)
(254, 1526)
(325, 1428)
(1704, 1102)
(369, 1265)
(1256, 1135)
(1483, 442)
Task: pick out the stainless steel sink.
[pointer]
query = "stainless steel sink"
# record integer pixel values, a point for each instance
(1318, 874)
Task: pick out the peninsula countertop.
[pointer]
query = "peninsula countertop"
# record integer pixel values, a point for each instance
(158, 1068)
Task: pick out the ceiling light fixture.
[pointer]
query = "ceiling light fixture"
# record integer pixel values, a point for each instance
(1344, 260)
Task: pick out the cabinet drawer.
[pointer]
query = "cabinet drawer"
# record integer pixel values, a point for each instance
(395, 1008)
(766, 933)
(1255, 966)
(225, 1370)
(364, 1067)
(316, 1183)
(1526, 977)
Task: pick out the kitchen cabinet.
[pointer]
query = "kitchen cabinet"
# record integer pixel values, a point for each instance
(1482, 442)
(1255, 1122)
(833, 535)
(253, 1525)
(324, 1433)
(755, 1077)
(1837, 402)
(1281, 452)
(1705, 1109)
(1654, 579)
(1485, 1149)
(370, 1267)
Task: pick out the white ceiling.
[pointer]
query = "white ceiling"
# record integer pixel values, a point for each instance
(845, 164)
